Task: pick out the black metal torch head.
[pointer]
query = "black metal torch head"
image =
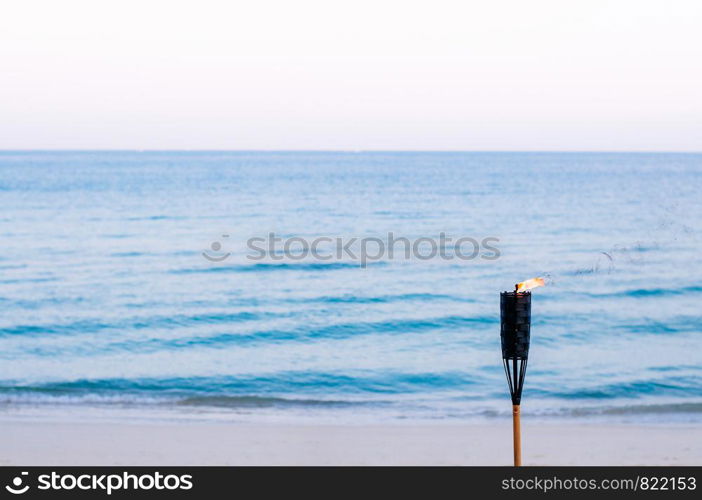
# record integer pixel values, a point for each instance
(515, 311)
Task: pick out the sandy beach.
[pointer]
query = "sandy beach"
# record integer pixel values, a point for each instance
(199, 443)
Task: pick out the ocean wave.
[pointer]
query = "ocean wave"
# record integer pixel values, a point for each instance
(336, 331)
(156, 217)
(638, 409)
(384, 299)
(15, 281)
(71, 398)
(263, 402)
(678, 324)
(435, 395)
(269, 267)
(136, 323)
(685, 386)
(176, 253)
(384, 406)
(271, 385)
(467, 385)
(333, 331)
(129, 254)
(648, 292)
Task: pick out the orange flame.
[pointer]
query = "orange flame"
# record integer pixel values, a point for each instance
(529, 284)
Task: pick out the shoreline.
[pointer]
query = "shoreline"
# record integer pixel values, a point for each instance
(55, 443)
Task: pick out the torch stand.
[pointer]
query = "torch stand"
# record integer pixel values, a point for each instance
(517, 436)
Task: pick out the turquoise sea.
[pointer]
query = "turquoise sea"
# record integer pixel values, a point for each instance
(108, 304)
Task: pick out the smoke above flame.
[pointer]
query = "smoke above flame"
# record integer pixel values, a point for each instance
(529, 284)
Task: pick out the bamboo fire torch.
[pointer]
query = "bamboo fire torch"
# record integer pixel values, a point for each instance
(515, 311)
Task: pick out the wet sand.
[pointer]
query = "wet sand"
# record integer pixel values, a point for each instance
(200, 443)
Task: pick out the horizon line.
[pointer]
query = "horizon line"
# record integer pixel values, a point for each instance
(342, 150)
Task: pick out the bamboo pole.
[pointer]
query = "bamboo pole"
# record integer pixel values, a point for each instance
(517, 433)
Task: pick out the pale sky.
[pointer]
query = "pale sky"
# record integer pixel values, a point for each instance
(379, 74)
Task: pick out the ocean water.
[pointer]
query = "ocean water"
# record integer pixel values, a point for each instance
(109, 306)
